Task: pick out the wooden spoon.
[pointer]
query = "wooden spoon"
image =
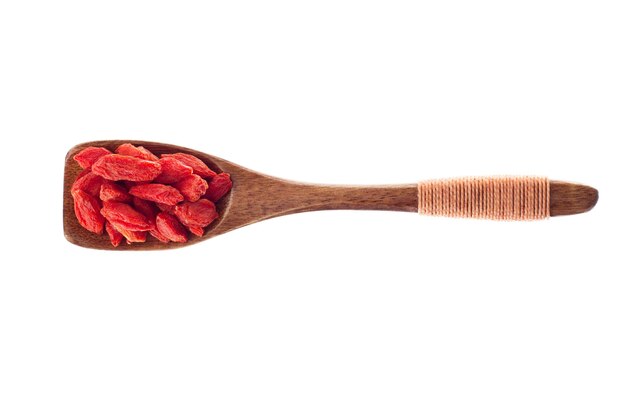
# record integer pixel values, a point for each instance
(255, 197)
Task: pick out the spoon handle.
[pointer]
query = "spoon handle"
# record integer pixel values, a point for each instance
(309, 197)
(496, 198)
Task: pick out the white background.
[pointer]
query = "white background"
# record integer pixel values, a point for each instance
(329, 313)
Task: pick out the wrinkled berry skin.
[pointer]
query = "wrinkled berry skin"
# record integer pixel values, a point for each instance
(136, 151)
(198, 214)
(126, 216)
(158, 235)
(159, 193)
(87, 210)
(167, 208)
(147, 208)
(114, 235)
(199, 167)
(170, 227)
(88, 156)
(89, 183)
(172, 171)
(192, 187)
(132, 236)
(110, 191)
(122, 167)
(219, 186)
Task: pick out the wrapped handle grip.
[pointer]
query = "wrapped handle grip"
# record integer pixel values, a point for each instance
(496, 198)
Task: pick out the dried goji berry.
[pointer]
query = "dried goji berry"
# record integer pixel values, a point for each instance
(192, 187)
(111, 191)
(198, 214)
(172, 170)
(114, 235)
(136, 151)
(125, 216)
(159, 193)
(88, 182)
(199, 167)
(122, 167)
(196, 230)
(166, 208)
(170, 227)
(87, 210)
(82, 174)
(131, 236)
(88, 156)
(147, 208)
(219, 186)
(158, 235)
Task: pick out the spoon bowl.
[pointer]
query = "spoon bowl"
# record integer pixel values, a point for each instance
(76, 234)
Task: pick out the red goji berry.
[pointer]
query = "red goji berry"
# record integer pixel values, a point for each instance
(158, 235)
(172, 170)
(196, 230)
(199, 167)
(125, 216)
(88, 182)
(219, 186)
(192, 187)
(197, 215)
(147, 208)
(136, 151)
(170, 227)
(87, 210)
(132, 236)
(82, 174)
(88, 156)
(159, 193)
(114, 235)
(111, 191)
(166, 208)
(122, 167)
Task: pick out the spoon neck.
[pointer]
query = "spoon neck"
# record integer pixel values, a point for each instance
(297, 197)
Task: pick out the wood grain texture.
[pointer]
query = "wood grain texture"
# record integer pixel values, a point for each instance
(255, 197)
(568, 198)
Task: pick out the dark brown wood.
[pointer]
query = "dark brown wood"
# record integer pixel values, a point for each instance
(568, 198)
(255, 197)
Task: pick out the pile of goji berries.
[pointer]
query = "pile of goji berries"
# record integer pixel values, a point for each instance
(132, 193)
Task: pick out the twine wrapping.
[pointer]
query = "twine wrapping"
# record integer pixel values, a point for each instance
(496, 198)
